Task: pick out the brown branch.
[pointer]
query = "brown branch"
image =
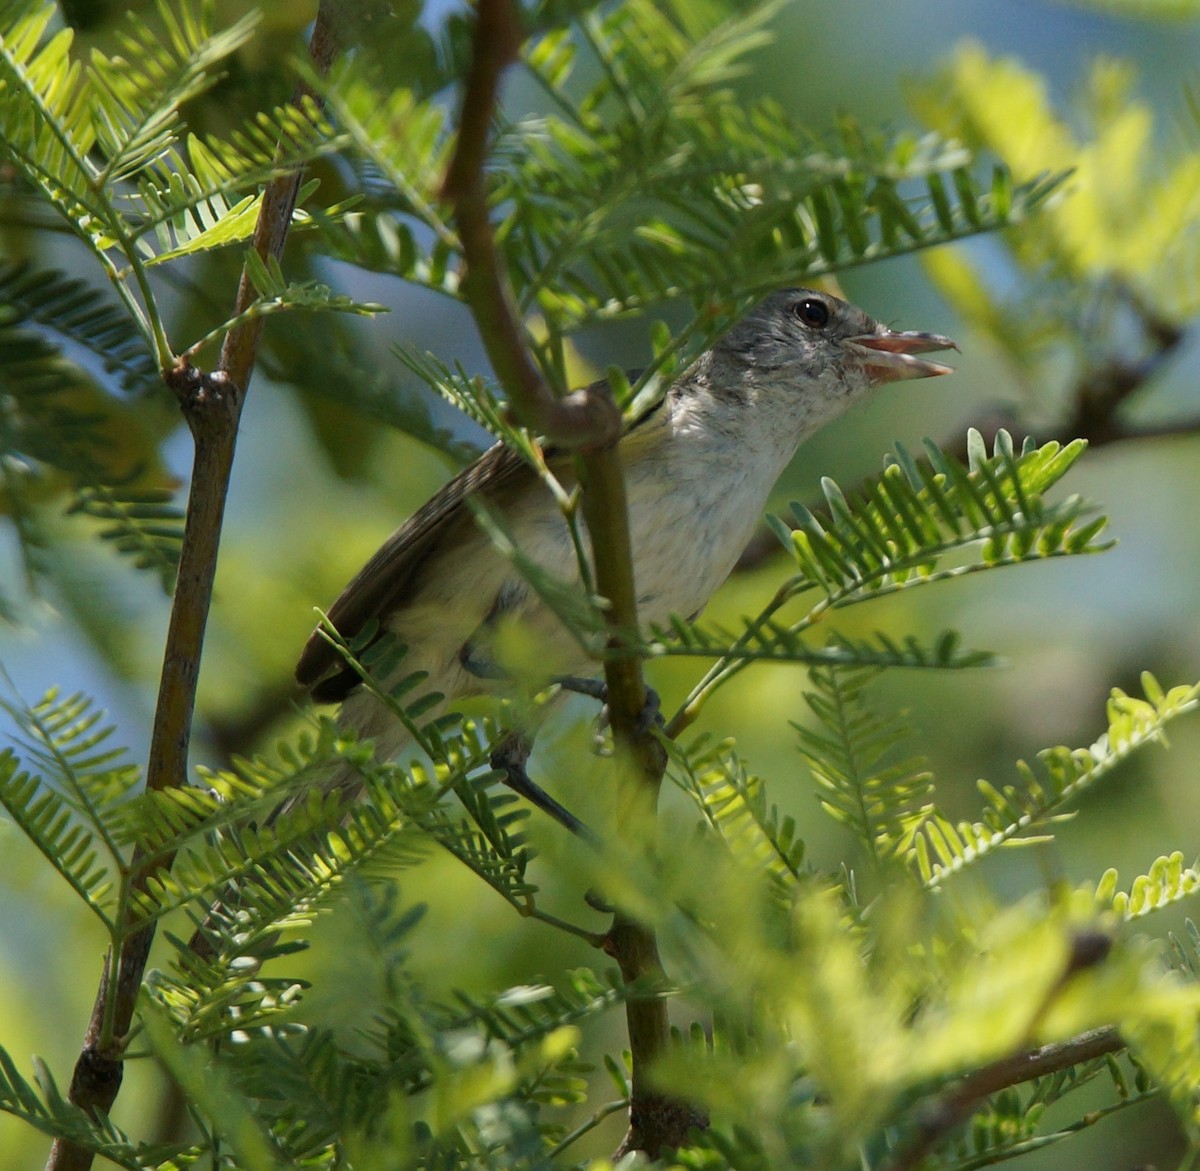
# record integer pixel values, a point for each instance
(657, 1122)
(954, 1106)
(1089, 949)
(589, 422)
(240, 347)
(585, 417)
(211, 405)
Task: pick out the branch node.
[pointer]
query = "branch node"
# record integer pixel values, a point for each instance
(658, 1124)
(585, 420)
(200, 392)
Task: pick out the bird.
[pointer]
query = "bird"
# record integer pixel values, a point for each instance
(699, 468)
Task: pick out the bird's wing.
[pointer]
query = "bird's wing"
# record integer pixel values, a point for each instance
(383, 582)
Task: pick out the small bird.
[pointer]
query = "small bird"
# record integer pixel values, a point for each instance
(698, 469)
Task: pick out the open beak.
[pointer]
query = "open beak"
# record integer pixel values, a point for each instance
(890, 356)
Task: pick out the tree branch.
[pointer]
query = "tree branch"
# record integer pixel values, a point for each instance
(954, 1106)
(585, 417)
(657, 1122)
(589, 422)
(211, 405)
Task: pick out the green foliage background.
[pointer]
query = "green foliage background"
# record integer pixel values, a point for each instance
(322, 477)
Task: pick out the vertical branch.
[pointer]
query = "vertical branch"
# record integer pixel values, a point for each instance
(240, 348)
(586, 417)
(211, 405)
(657, 1122)
(589, 422)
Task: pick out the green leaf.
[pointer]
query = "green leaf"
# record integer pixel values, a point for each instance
(1167, 881)
(137, 94)
(209, 1086)
(650, 180)
(65, 813)
(902, 527)
(1129, 214)
(77, 311)
(918, 524)
(1010, 815)
(734, 806)
(862, 784)
(75, 132)
(44, 1108)
(141, 524)
(187, 199)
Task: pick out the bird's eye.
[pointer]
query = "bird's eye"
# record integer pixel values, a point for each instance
(812, 312)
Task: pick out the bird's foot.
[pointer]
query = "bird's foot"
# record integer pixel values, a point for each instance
(649, 717)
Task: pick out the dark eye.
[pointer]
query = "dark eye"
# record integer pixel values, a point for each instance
(812, 312)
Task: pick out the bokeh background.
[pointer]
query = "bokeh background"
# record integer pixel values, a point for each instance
(311, 479)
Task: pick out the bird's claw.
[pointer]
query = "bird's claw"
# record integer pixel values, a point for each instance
(649, 717)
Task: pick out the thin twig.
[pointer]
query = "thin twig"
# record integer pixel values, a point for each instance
(211, 405)
(953, 1107)
(240, 348)
(583, 1128)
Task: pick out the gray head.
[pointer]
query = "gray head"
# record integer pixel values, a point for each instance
(796, 336)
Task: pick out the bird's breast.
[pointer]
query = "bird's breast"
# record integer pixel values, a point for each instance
(692, 509)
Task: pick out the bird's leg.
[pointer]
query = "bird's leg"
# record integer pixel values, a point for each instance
(510, 757)
(511, 754)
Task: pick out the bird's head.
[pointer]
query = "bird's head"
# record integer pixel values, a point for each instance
(804, 338)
